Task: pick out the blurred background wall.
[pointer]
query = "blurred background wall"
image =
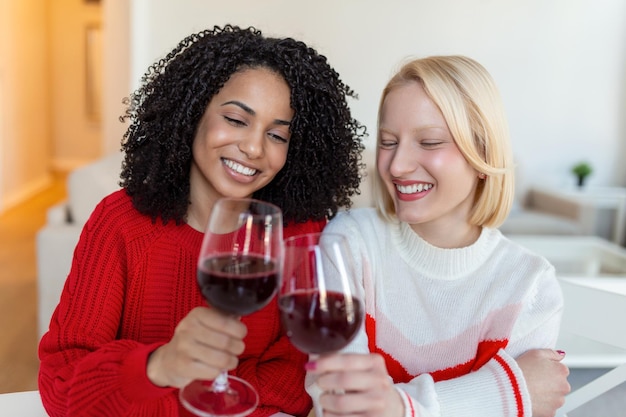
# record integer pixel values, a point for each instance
(560, 65)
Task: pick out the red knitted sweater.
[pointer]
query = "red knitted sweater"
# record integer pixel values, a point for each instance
(130, 284)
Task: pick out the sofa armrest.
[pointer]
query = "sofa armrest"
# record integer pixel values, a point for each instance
(59, 214)
(569, 208)
(55, 250)
(548, 203)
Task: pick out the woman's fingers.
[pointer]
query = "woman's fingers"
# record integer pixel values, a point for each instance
(347, 361)
(351, 380)
(546, 379)
(213, 330)
(361, 403)
(205, 342)
(356, 384)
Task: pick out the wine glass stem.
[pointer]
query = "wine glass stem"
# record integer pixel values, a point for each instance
(221, 382)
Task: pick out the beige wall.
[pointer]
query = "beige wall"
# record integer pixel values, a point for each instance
(560, 64)
(24, 100)
(539, 70)
(44, 125)
(116, 73)
(76, 136)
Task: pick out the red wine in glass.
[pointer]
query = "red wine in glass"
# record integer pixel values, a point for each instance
(319, 308)
(240, 284)
(238, 272)
(314, 329)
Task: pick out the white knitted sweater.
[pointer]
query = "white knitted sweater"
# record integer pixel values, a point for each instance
(449, 322)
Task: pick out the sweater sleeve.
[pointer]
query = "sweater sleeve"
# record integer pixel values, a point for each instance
(498, 387)
(539, 322)
(84, 370)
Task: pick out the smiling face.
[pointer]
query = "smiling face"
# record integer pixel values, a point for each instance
(429, 181)
(242, 140)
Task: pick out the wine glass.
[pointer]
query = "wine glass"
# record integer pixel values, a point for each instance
(319, 308)
(238, 273)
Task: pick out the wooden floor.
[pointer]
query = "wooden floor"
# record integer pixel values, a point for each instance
(18, 289)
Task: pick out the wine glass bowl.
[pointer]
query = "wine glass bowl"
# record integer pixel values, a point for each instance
(238, 285)
(319, 308)
(238, 273)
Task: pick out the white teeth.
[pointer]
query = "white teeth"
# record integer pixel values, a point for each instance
(414, 188)
(239, 168)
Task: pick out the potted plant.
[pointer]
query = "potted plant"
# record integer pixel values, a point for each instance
(582, 170)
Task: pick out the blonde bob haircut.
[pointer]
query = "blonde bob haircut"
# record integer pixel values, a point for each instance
(471, 106)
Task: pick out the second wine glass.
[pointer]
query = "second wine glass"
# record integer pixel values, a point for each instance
(319, 308)
(238, 273)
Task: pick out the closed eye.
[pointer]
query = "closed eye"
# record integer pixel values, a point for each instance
(387, 144)
(234, 122)
(431, 144)
(278, 138)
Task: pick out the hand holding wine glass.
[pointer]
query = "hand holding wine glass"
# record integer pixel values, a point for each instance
(322, 314)
(238, 273)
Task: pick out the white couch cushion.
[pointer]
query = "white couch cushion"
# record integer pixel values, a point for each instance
(531, 222)
(89, 184)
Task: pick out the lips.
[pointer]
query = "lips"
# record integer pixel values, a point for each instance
(413, 188)
(239, 168)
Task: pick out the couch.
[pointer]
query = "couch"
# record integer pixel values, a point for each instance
(87, 185)
(540, 213)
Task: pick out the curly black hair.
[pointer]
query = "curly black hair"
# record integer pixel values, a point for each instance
(323, 168)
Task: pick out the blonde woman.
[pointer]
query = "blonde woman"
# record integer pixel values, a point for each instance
(460, 321)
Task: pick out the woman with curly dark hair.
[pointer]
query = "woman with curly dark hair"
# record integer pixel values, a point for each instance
(228, 112)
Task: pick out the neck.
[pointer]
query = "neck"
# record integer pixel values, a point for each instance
(201, 203)
(196, 219)
(447, 237)
(202, 198)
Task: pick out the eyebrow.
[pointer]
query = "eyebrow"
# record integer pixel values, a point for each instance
(417, 129)
(251, 112)
(430, 127)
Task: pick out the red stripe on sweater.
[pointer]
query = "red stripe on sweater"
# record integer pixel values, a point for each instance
(485, 350)
(410, 401)
(514, 384)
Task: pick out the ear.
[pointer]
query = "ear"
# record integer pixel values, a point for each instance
(482, 175)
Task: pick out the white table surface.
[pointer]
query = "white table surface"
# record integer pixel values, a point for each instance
(617, 286)
(28, 404)
(22, 404)
(598, 316)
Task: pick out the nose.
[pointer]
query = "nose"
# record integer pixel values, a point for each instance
(404, 161)
(252, 145)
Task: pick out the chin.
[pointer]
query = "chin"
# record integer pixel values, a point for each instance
(406, 216)
(408, 220)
